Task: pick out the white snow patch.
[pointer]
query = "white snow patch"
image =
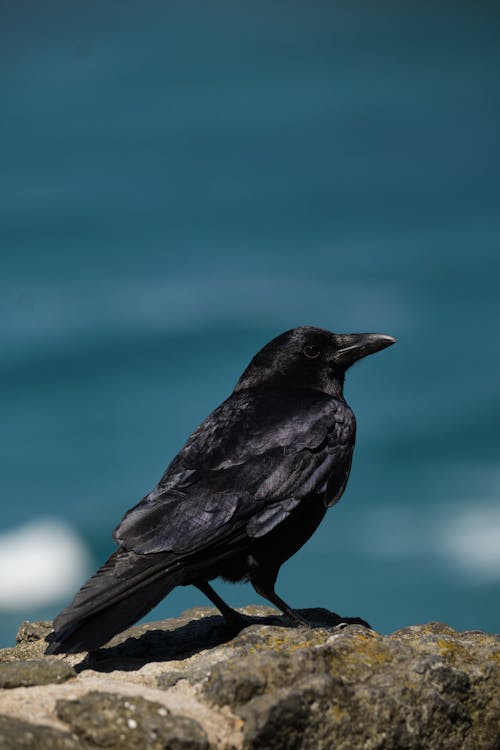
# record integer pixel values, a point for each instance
(40, 563)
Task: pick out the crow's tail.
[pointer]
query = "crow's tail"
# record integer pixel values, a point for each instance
(120, 593)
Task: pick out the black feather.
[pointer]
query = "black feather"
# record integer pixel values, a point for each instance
(247, 490)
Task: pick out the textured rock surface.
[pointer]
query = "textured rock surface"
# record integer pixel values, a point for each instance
(110, 720)
(28, 672)
(186, 683)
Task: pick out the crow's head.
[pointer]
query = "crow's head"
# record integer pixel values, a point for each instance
(308, 357)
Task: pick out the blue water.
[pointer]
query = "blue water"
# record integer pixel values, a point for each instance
(182, 181)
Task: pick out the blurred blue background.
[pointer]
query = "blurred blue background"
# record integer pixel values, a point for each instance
(182, 181)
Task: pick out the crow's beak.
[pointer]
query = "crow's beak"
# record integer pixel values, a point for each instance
(354, 346)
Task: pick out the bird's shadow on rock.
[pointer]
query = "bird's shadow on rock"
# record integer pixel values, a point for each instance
(181, 638)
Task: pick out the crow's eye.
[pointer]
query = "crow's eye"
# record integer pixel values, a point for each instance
(311, 351)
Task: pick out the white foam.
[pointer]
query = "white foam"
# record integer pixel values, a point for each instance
(461, 536)
(40, 562)
(470, 539)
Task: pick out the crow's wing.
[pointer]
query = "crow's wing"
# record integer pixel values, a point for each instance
(243, 471)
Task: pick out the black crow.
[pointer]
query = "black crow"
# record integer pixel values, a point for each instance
(248, 489)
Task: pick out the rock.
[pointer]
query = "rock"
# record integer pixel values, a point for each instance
(33, 631)
(34, 672)
(30, 640)
(291, 717)
(190, 683)
(109, 720)
(16, 734)
(169, 679)
(425, 687)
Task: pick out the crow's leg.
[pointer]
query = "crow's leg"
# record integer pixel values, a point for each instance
(232, 617)
(265, 588)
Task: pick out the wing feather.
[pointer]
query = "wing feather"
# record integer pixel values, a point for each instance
(246, 468)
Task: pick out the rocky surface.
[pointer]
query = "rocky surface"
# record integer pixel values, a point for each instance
(188, 683)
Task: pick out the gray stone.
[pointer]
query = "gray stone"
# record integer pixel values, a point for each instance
(169, 679)
(290, 718)
(129, 723)
(34, 672)
(16, 734)
(272, 687)
(33, 631)
(426, 690)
